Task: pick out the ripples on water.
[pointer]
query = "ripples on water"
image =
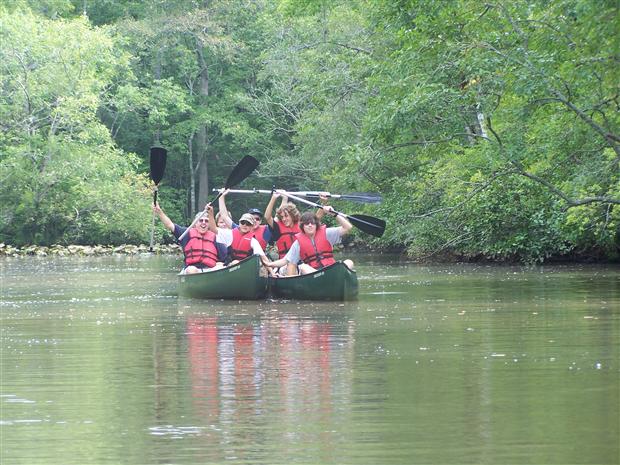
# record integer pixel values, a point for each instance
(102, 363)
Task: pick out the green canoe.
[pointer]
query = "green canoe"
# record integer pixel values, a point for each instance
(335, 282)
(243, 281)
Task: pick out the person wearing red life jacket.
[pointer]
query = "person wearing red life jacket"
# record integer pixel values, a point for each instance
(261, 232)
(285, 226)
(313, 246)
(200, 247)
(240, 241)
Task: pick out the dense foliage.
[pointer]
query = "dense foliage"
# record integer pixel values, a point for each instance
(491, 129)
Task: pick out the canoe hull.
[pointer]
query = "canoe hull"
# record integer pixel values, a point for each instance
(335, 282)
(243, 281)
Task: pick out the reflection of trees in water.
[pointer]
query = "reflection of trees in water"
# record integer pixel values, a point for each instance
(259, 377)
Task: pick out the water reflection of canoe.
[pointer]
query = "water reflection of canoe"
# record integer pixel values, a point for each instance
(335, 282)
(243, 281)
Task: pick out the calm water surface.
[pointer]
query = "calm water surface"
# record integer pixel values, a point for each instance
(101, 363)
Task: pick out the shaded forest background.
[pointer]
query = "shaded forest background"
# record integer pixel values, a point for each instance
(491, 129)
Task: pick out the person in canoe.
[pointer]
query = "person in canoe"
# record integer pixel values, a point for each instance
(313, 248)
(261, 231)
(240, 240)
(221, 221)
(284, 227)
(200, 246)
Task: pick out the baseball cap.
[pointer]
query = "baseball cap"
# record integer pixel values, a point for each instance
(247, 217)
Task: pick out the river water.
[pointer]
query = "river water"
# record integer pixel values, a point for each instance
(101, 363)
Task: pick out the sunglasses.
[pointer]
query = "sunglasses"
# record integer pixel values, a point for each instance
(245, 223)
(310, 223)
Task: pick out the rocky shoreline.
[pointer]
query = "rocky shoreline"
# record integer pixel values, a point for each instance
(86, 250)
(7, 250)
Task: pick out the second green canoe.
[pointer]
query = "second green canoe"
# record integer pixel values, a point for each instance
(335, 282)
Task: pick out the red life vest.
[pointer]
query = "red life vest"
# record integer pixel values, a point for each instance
(287, 237)
(317, 255)
(259, 234)
(241, 246)
(200, 249)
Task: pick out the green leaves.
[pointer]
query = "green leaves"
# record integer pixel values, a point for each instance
(63, 180)
(491, 129)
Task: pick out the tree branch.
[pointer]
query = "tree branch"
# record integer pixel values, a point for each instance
(570, 201)
(351, 47)
(436, 141)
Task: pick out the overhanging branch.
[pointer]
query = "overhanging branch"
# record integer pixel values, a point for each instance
(570, 201)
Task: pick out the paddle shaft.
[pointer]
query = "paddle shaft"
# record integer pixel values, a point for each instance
(357, 197)
(157, 168)
(371, 228)
(153, 223)
(308, 202)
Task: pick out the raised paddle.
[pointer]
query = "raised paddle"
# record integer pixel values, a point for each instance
(243, 169)
(361, 197)
(368, 224)
(158, 166)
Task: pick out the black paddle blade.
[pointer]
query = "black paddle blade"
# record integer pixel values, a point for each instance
(243, 169)
(368, 224)
(158, 163)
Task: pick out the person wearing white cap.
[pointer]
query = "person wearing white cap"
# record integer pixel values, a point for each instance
(240, 241)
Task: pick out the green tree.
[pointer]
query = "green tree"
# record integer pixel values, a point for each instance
(517, 88)
(63, 179)
(202, 54)
(310, 91)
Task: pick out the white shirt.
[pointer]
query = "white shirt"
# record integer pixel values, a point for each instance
(225, 236)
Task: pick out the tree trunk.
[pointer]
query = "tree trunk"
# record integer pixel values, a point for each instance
(192, 177)
(202, 171)
(201, 135)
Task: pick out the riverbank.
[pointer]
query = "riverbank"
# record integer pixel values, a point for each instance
(7, 250)
(86, 250)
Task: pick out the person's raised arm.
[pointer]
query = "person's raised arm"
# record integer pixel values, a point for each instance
(163, 217)
(269, 210)
(323, 199)
(212, 223)
(223, 210)
(284, 200)
(345, 225)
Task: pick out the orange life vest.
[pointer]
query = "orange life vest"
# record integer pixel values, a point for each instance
(200, 249)
(241, 246)
(259, 234)
(287, 237)
(318, 254)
